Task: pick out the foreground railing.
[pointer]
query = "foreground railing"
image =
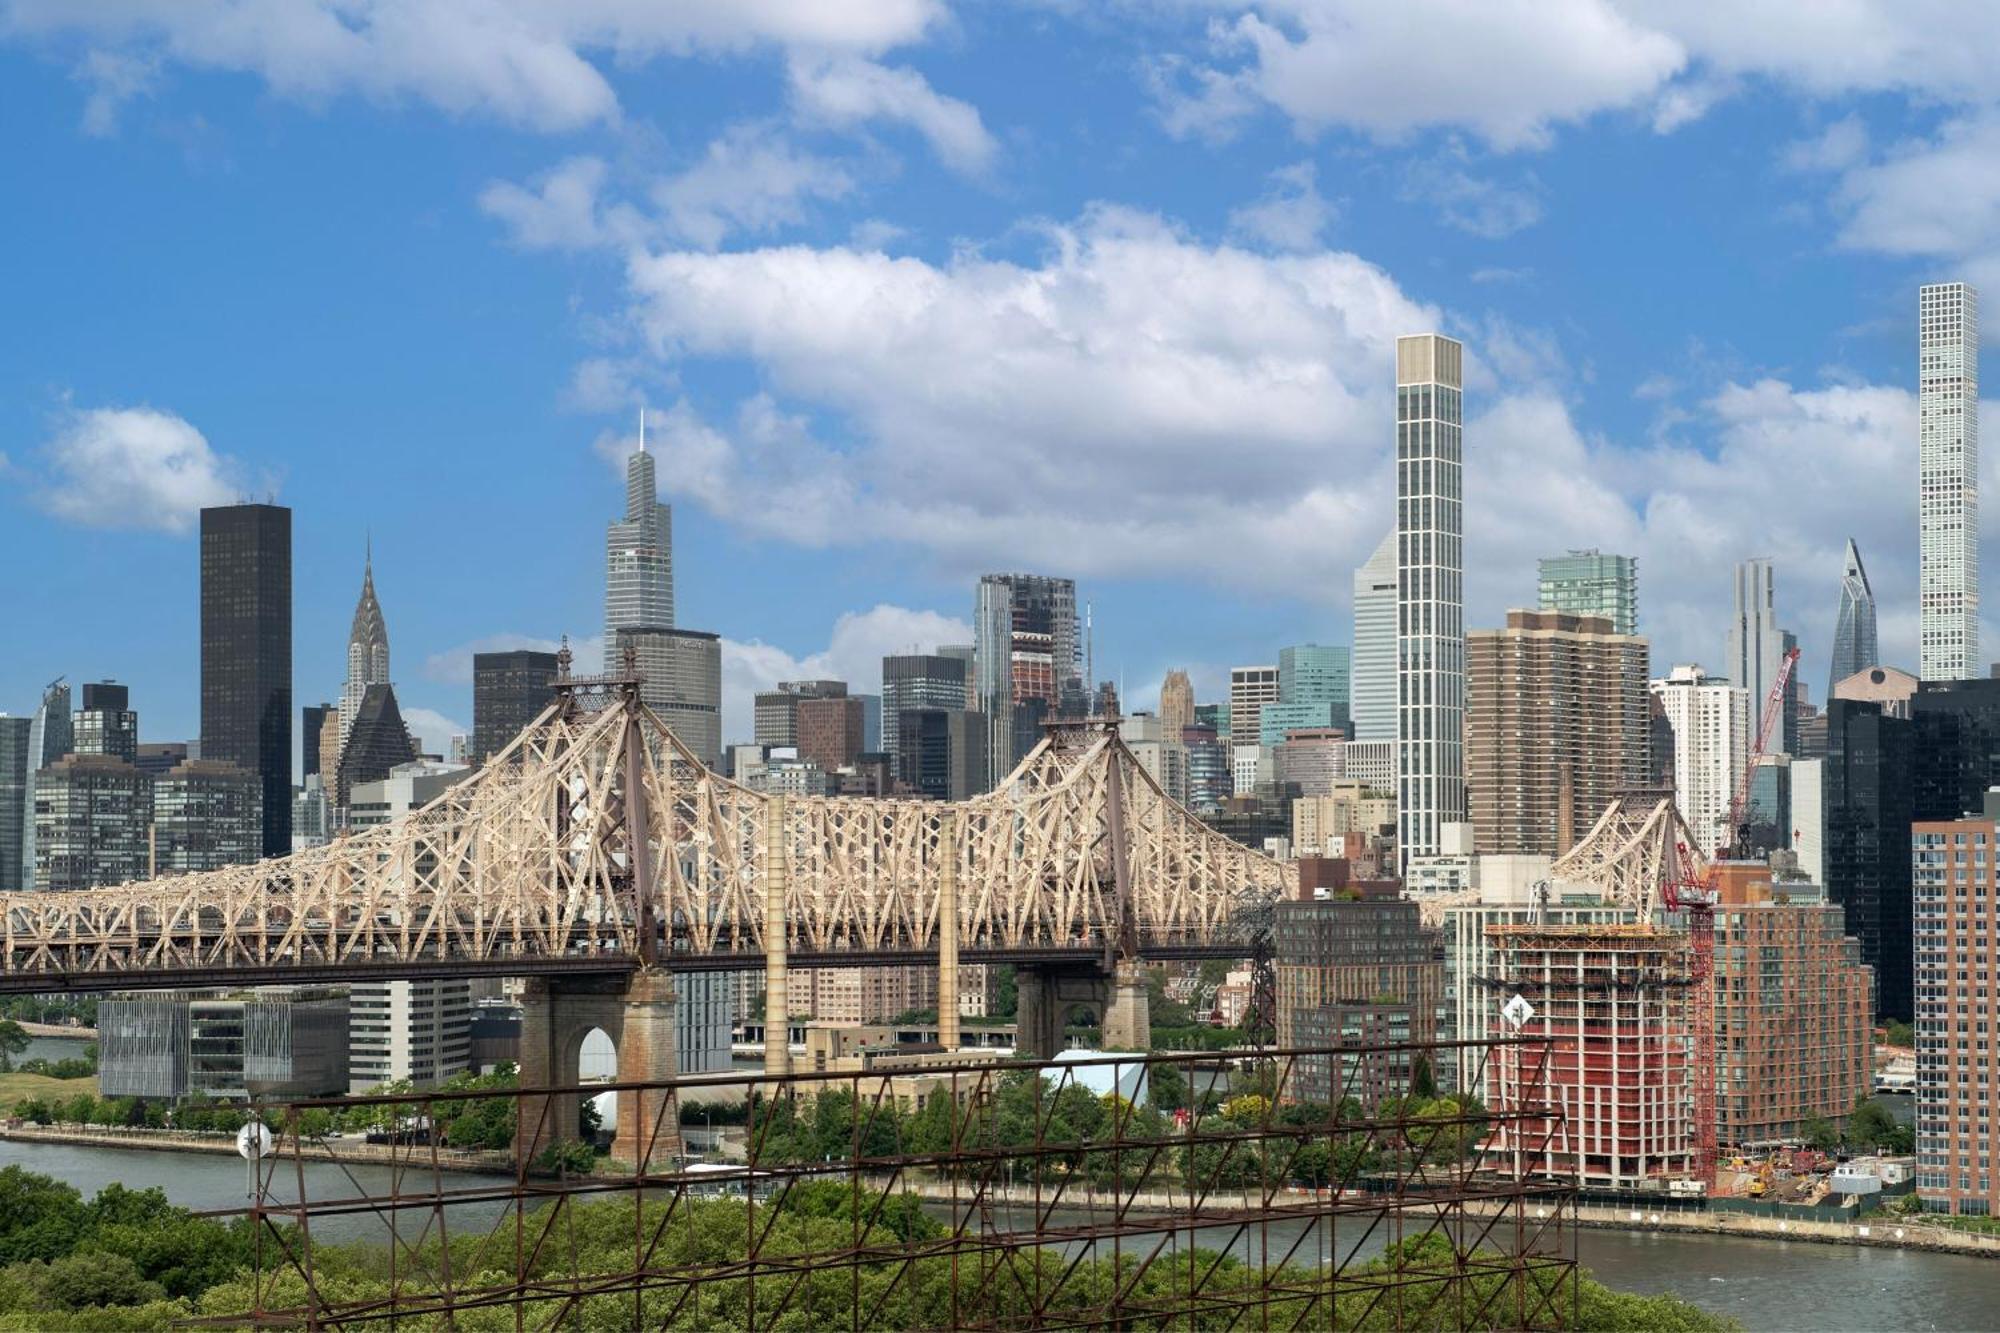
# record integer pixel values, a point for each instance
(1280, 1189)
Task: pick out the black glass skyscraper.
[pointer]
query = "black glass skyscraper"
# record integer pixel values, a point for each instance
(509, 690)
(246, 652)
(1868, 805)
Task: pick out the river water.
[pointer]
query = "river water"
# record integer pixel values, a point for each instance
(1765, 1284)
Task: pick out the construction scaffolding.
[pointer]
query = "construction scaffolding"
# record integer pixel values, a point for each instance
(1024, 1195)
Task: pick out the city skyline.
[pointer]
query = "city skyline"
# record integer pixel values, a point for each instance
(1810, 388)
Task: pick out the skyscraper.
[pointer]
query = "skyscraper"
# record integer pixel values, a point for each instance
(205, 816)
(92, 813)
(682, 670)
(1757, 648)
(49, 737)
(312, 725)
(1372, 688)
(246, 652)
(1556, 723)
(16, 805)
(1317, 673)
(1948, 479)
(106, 723)
(919, 680)
(1710, 722)
(1854, 627)
(1430, 597)
(509, 691)
(638, 557)
(1591, 583)
(1250, 688)
(1024, 649)
(1176, 703)
(367, 650)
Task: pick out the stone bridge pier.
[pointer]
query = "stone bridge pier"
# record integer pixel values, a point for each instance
(1047, 995)
(637, 1013)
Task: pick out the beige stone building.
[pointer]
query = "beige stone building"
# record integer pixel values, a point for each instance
(1556, 723)
(1349, 807)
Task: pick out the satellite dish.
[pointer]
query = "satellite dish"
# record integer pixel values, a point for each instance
(253, 1141)
(1517, 1012)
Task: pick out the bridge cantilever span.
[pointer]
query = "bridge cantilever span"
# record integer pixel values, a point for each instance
(598, 843)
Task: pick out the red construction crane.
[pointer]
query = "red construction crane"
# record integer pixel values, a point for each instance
(1696, 893)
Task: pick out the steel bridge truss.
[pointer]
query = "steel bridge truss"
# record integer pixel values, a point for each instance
(1009, 1216)
(533, 864)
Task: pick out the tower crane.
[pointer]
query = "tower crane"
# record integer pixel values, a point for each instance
(1696, 892)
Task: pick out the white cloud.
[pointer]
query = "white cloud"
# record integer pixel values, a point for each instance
(527, 62)
(453, 666)
(854, 653)
(1478, 205)
(847, 91)
(433, 730)
(114, 78)
(133, 467)
(1839, 146)
(1507, 72)
(750, 179)
(1290, 216)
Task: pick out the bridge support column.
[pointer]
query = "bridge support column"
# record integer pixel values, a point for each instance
(1128, 1018)
(948, 1035)
(649, 1132)
(638, 1015)
(1046, 995)
(777, 986)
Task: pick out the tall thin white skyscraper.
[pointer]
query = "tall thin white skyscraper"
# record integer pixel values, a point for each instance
(1430, 595)
(1757, 648)
(367, 652)
(1948, 478)
(1374, 682)
(638, 557)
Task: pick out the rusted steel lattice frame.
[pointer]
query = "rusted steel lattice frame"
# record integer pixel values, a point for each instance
(1018, 1220)
(530, 862)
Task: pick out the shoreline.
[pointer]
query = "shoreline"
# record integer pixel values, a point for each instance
(185, 1141)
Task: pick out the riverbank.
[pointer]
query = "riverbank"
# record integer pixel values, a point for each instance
(60, 1031)
(1877, 1233)
(350, 1151)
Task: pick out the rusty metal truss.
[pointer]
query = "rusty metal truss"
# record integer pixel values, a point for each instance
(1636, 846)
(532, 865)
(1027, 1200)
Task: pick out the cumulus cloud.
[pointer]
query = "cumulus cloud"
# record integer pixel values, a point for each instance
(134, 468)
(1479, 205)
(845, 91)
(525, 62)
(854, 653)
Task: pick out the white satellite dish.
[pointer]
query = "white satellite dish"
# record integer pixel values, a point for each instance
(253, 1141)
(1517, 1012)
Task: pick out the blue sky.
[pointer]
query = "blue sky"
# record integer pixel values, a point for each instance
(914, 290)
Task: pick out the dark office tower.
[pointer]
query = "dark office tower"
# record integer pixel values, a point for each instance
(509, 690)
(312, 723)
(942, 754)
(1868, 803)
(16, 806)
(919, 680)
(246, 653)
(106, 723)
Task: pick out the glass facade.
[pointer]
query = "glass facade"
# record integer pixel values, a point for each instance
(1868, 802)
(1591, 583)
(15, 806)
(246, 653)
(509, 691)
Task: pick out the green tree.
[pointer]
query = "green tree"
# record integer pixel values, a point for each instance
(1820, 1133)
(87, 1279)
(13, 1041)
(1869, 1125)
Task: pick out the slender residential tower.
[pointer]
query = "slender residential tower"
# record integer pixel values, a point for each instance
(1430, 595)
(1948, 478)
(1854, 628)
(638, 557)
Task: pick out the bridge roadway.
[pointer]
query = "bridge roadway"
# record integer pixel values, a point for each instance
(562, 966)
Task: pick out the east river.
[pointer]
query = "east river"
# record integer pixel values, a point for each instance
(1765, 1284)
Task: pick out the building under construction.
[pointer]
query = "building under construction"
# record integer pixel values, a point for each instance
(1612, 1001)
